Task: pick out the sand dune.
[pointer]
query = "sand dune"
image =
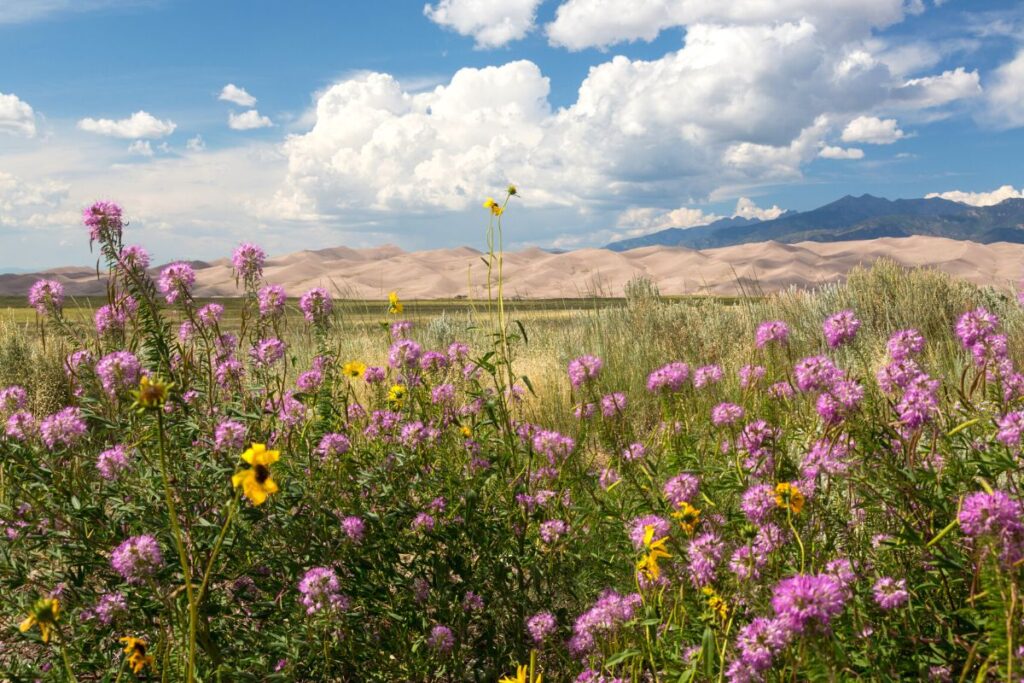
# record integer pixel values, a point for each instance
(533, 273)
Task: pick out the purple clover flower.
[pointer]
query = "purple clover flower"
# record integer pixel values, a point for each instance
(671, 377)
(584, 370)
(890, 593)
(271, 300)
(104, 220)
(46, 296)
(321, 591)
(316, 305)
(840, 328)
(540, 626)
(247, 261)
(137, 558)
(176, 281)
(112, 462)
(771, 331)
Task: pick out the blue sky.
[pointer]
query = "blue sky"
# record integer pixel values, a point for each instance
(390, 121)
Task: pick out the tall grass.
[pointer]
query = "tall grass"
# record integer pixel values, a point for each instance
(464, 511)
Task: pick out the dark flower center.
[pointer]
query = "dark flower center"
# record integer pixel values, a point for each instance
(262, 473)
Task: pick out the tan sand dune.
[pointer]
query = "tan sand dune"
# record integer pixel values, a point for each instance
(534, 273)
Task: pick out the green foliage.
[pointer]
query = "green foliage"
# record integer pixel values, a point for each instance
(460, 489)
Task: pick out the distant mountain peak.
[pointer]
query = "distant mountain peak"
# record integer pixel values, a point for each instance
(853, 218)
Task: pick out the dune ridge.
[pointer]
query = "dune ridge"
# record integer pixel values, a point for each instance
(534, 273)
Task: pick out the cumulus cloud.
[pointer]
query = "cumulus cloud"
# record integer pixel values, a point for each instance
(16, 116)
(580, 24)
(980, 198)
(196, 144)
(938, 90)
(832, 152)
(1004, 94)
(141, 148)
(872, 130)
(746, 208)
(140, 125)
(23, 203)
(236, 95)
(638, 221)
(491, 23)
(761, 100)
(248, 120)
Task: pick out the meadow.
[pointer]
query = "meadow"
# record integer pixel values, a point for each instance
(811, 485)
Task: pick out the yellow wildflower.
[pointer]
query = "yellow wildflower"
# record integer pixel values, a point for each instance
(152, 392)
(397, 394)
(44, 614)
(466, 430)
(135, 648)
(648, 564)
(256, 482)
(522, 676)
(688, 516)
(716, 604)
(394, 305)
(354, 368)
(789, 498)
(494, 206)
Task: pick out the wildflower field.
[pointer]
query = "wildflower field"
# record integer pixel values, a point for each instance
(805, 486)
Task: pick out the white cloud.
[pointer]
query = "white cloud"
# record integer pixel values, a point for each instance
(746, 208)
(141, 147)
(639, 221)
(643, 220)
(872, 130)
(980, 198)
(491, 23)
(248, 120)
(761, 100)
(16, 116)
(581, 24)
(831, 152)
(236, 95)
(1004, 94)
(195, 144)
(24, 202)
(935, 91)
(141, 124)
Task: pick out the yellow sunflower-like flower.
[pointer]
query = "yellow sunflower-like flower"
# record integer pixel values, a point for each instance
(716, 604)
(496, 208)
(256, 482)
(44, 614)
(522, 676)
(135, 648)
(354, 368)
(152, 393)
(466, 431)
(397, 394)
(394, 305)
(648, 564)
(788, 497)
(688, 516)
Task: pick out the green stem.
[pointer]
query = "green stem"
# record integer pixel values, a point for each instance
(789, 520)
(216, 548)
(193, 612)
(64, 656)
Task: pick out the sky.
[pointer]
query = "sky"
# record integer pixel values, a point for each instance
(308, 124)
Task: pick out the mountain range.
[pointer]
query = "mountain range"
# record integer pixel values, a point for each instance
(852, 218)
